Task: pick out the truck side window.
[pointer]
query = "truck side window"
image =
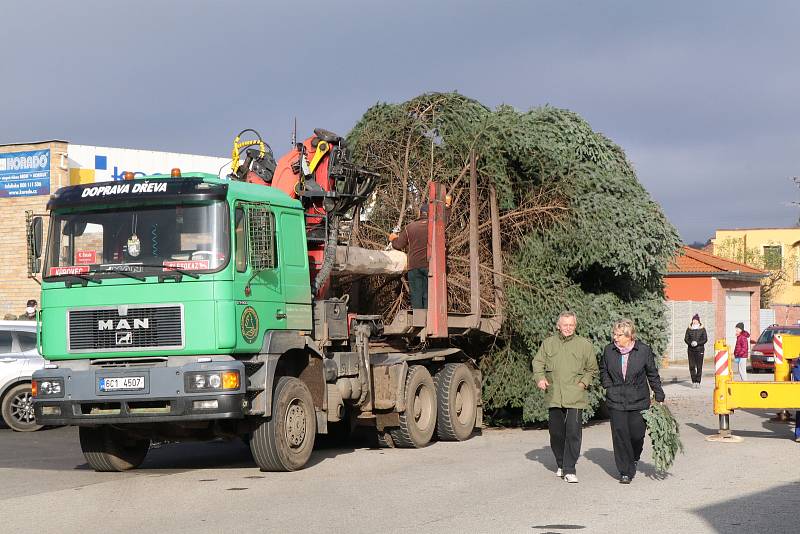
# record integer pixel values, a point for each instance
(241, 240)
(261, 237)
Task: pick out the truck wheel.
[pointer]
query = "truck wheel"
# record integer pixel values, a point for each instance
(385, 440)
(418, 421)
(284, 442)
(18, 409)
(458, 402)
(110, 449)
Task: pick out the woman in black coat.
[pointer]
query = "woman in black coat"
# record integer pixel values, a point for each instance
(696, 339)
(627, 366)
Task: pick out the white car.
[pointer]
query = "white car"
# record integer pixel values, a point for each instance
(19, 358)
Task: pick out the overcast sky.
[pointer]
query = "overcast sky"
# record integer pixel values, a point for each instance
(703, 96)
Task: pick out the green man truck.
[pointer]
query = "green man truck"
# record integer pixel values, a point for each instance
(189, 307)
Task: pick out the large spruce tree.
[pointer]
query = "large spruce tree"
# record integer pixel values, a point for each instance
(579, 231)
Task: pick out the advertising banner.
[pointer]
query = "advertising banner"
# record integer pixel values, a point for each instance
(96, 164)
(25, 174)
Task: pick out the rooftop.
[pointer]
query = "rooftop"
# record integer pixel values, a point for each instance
(696, 261)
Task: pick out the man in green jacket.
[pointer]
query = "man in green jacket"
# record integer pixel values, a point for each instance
(565, 367)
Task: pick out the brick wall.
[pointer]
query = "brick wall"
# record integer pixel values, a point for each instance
(15, 286)
(786, 314)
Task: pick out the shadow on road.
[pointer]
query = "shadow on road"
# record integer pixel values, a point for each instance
(543, 455)
(773, 510)
(706, 431)
(604, 458)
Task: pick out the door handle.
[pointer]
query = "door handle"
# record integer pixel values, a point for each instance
(280, 315)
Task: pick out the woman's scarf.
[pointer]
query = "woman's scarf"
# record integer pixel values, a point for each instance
(624, 351)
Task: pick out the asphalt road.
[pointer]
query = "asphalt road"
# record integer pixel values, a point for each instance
(500, 481)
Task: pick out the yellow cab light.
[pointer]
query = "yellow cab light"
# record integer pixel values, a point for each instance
(128, 175)
(230, 380)
(175, 173)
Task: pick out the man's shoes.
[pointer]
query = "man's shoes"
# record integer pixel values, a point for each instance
(571, 478)
(624, 479)
(560, 473)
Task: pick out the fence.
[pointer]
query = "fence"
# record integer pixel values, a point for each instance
(679, 315)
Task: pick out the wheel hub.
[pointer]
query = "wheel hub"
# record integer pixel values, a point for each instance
(22, 408)
(295, 425)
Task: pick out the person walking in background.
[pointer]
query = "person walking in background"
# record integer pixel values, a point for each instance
(30, 311)
(627, 366)
(564, 368)
(741, 351)
(796, 378)
(696, 339)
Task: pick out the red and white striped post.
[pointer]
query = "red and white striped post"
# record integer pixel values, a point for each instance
(783, 370)
(722, 362)
(777, 348)
(722, 375)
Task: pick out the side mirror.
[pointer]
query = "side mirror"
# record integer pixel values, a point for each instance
(36, 233)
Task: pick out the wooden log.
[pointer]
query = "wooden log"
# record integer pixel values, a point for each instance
(357, 260)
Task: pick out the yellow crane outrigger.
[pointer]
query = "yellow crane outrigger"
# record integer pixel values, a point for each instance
(730, 395)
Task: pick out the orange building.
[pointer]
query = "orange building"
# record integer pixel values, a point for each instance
(722, 291)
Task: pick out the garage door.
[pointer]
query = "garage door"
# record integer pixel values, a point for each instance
(737, 309)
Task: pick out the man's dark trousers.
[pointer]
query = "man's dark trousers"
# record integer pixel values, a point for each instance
(566, 427)
(627, 435)
(418, 284)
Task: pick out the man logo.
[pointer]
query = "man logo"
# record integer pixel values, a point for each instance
(124, 338)
(123, 324)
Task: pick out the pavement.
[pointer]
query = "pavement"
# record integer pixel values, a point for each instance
(498, 481)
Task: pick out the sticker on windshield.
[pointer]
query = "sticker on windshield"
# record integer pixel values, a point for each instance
(190, 265)
(124, 267)
(85, 257)
(77, 269)
(249, 324)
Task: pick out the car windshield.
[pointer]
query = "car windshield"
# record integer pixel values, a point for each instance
(768, 334)
(151, 239)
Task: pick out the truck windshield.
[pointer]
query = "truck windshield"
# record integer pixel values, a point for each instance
(148, 240)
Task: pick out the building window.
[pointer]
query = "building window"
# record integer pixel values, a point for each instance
(773, 257)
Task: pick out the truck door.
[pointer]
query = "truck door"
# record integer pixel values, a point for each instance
(296, 281)
(258, 286)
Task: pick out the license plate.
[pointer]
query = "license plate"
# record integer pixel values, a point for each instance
(121, 383)
(769, 359)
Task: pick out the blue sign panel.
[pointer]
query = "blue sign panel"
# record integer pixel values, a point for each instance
(24, 174)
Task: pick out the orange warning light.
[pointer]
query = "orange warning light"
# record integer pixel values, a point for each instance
(128, 175)
(175, 173)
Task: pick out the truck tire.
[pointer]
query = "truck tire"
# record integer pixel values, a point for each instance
(418, 421)
(110, 449)
(285, 441)
(385, 440)
(17, 409)
(458, 402)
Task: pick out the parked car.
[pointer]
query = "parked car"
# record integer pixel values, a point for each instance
(19, 358)
(762, 354)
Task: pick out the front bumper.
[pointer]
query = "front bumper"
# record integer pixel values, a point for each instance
(163, 398)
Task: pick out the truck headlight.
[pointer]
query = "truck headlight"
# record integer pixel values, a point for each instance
(212, 381)
(47, 388)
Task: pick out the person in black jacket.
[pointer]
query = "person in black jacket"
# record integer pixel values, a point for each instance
(627, 366)
(696, 339)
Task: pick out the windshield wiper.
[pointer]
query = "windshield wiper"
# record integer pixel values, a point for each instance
(123, 273)
(84, 280)
(171, 272)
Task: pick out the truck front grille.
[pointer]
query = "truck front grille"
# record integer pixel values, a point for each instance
(125, 328)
